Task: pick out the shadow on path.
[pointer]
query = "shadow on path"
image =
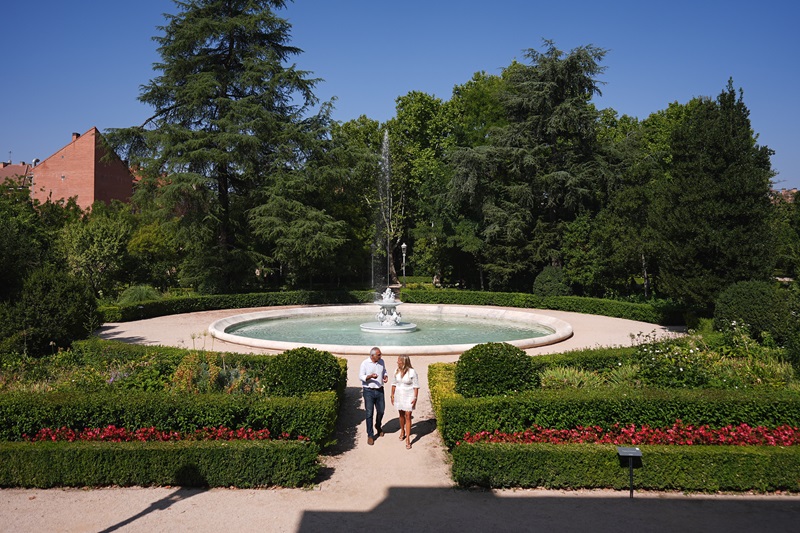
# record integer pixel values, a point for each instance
(114, 333)
(160, 505)
(431, 509)
(350, 419)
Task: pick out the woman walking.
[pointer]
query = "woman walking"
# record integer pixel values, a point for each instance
(405, 389)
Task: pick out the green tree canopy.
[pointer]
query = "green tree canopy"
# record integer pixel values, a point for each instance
(713, 210)
(536, 172)
(230, 118)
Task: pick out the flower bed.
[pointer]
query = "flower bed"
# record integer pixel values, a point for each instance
(151, 434)
(679, 434)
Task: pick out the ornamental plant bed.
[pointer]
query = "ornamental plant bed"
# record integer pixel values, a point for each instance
(151, 434)
(679, 434)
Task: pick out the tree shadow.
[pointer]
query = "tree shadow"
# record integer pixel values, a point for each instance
(351, 417)
(160, 505)
(110, 333)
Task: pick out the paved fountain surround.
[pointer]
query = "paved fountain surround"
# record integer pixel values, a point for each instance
(562, 330)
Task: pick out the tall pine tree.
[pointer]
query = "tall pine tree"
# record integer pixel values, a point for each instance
(229, 117)
(713, 209)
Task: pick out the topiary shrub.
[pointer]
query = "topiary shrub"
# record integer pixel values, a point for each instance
(550, 282)
(302, 370)
(762, 306)
(492, 369)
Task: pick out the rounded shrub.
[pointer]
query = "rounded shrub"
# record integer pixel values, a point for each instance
(302, 370)
(550, 282)
(493, 369)
(760, 305)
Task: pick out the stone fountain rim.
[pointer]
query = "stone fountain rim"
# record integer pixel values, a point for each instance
(562, 330)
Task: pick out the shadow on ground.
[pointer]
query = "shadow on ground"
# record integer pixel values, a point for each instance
(160, 505)
(432, 509)
(110, 333)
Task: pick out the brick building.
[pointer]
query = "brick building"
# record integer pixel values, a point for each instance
(787, 195)
(87, 169)
(20, 173)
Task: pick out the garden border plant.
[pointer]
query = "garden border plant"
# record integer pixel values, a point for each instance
(695, 468)
(304, 419)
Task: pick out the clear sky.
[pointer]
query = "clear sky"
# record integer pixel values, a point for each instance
(69, 66)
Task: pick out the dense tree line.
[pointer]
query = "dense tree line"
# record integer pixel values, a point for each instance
(245, 183)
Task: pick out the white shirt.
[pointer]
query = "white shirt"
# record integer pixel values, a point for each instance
(368, 368)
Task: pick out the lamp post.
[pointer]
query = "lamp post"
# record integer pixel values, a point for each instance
(404, 247)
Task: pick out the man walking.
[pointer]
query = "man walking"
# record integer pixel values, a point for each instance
(373, 375)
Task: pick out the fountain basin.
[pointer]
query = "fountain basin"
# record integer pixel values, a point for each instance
(556, 330)
(377, 327)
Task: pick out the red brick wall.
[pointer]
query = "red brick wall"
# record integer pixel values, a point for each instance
(77, 170)
(113, 180)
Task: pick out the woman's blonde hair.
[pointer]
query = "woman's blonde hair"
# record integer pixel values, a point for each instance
(403, 364)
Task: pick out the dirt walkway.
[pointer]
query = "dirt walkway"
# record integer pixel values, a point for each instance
(383, 487)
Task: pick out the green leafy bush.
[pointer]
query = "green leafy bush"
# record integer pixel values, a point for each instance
(674, 363)
(55, 309)
(733, 360)
(302, 370)
(494, 368)
(550, 282)
(762, 306)
(565, 377)
(137, 294)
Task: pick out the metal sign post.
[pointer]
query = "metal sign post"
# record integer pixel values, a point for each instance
(630, 457)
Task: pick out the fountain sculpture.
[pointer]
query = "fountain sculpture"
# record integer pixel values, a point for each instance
(388, 319)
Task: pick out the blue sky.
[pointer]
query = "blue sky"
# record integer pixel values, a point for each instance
(70, 66)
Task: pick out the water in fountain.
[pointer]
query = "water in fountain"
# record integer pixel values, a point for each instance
(388, 319)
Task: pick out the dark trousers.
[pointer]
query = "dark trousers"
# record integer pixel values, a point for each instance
(374, 400)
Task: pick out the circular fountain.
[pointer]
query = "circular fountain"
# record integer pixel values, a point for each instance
(388, 319)
(440, 329)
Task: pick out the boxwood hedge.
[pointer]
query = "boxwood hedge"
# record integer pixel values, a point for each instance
(241, 464)
(572, 466)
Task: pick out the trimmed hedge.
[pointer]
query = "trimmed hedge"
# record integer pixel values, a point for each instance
(572, 466)
(313, 416)
(242, 464)
(589, 359)
(173, 306)
(762, 306)
(565, 409)
(662, 313)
